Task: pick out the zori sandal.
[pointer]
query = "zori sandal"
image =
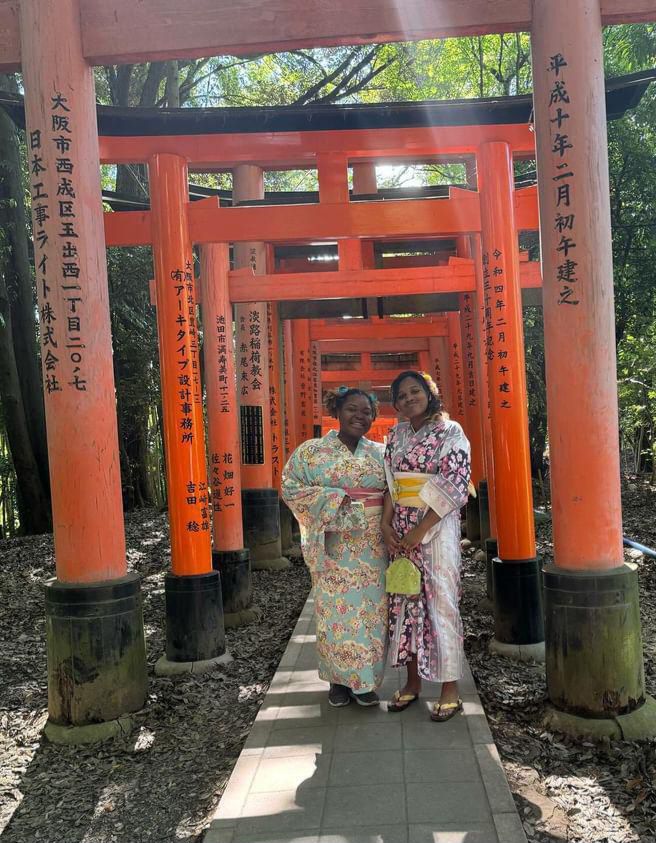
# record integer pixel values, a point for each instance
(400, 702)
(445, 711)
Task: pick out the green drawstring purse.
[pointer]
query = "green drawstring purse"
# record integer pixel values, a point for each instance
(402, 577)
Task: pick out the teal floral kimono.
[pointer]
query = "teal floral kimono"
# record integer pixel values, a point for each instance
(336, 497)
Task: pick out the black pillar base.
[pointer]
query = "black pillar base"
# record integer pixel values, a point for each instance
(491, 552)
(472, 520)
(593, 641)
(484, 512)
(517, 602)
(234, 567)
(194, 617)
(96, 650)
(286, 538)
(261, 521)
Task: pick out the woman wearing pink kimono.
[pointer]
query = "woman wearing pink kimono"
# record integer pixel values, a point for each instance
(427, 462)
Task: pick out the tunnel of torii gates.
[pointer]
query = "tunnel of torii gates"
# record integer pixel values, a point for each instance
(96, 654)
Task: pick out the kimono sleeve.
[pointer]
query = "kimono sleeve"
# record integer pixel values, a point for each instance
(448, 489)
(316, 507)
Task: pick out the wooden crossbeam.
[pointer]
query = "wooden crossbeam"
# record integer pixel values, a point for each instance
(388, 330)
(401, 345)
(345, 375)
(125, 31)
(300, 149)
(208, 223)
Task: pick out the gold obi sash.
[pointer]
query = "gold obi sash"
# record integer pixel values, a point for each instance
(407, 486)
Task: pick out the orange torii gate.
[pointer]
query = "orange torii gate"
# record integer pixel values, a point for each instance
(589, 684)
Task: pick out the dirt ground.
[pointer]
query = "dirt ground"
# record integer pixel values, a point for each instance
(566, 790)
(163, 782)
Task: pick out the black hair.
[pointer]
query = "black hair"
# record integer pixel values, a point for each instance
(427, 384)
(335, 399)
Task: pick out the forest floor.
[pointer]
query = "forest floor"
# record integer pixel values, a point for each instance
(163, 781)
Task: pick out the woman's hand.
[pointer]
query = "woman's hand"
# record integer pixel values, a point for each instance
(412, 538)
(391, 538)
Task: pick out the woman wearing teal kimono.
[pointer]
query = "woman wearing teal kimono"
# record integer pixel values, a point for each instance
(334, 486)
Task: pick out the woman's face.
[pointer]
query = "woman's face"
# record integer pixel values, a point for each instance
(411, 401)
(355, 416)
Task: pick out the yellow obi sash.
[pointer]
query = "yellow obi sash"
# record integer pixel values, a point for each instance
(407, 486)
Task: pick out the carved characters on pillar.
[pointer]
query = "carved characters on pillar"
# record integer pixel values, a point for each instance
(250, 337)
(305, 398)
(456, 360)
(469, 352)
(186, 351)
(225, 402)
(61, 332)
(316, 385)
(223, 464)
(189, 401)
(274, 400)
(560, 105)
(223, 481)
(496, 345)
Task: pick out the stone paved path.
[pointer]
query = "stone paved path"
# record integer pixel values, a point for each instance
(310, 773)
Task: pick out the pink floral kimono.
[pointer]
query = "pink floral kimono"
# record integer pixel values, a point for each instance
(434, 463)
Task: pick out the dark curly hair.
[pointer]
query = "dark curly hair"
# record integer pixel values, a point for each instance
(335, 399)
(427, 384)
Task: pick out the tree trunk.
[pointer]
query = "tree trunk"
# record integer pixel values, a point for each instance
(34, 506)
(19, 283)
(172, 84)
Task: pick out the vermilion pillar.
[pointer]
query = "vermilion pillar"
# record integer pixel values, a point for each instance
(517, 606)
(274, 335)
(278, 420)
(303, 402)
(92, 598)
(252, 348)
(260, 498)
(594, 652)
(291, 435)
(425, 362)
(229, 557)
(486, 490)
(472, 396)
(193, 589)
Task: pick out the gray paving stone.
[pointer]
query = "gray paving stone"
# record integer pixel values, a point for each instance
(374, 834)
(438, 765)
(288, 810)
(360, 768)
(447, 802)
(277, 837)
(372, 737)
(494, 779)
(289, 772)
(307, 715)
(354, 714)
(301, 741)
(366, 805)
(453, 833)
(509, 828)
(449, 735)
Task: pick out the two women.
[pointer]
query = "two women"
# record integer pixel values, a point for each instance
(356, 506)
